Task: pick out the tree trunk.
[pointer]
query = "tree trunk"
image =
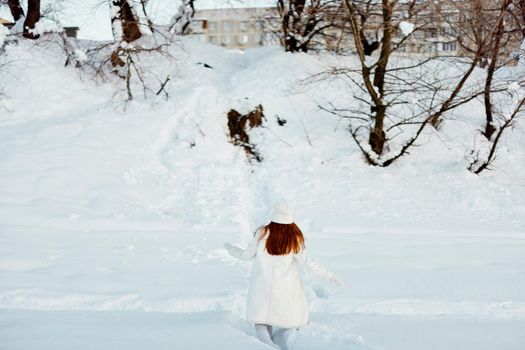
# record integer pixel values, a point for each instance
(377, 136)
(33, 16)
(489, 126)
(16, 10)
(129, 24)
(521, 59)
(291, 13)
(386, 47)
(521, 6)
(286, 19)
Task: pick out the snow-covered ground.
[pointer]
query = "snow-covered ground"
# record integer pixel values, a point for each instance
(112, 221)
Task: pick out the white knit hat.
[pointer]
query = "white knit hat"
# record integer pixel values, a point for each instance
(281, 214)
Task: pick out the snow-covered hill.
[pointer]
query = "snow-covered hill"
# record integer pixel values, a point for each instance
(108, 210)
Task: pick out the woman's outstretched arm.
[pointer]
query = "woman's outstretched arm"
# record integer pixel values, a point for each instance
(244, 254)
(313, 266)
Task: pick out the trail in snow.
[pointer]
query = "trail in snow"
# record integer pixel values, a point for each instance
(190, 126)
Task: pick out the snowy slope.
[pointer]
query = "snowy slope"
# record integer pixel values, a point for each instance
(106, 214)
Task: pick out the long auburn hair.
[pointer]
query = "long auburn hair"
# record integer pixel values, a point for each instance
(282, 238)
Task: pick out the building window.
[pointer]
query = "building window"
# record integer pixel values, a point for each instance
(227, 26)
(226, 39)
(243, 39)
(449, 31)
(213, 39)
(431, 33)
(259, 39)
(198, 25)
(419, 34)
(449, 46)
(259, 25)
(243, 26)
(212, 26)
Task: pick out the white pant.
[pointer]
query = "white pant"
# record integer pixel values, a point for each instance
(276, 337)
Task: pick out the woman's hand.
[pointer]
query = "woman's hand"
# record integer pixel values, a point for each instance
(234, 251)
(230, 248)
(316, 268)
(242, 254)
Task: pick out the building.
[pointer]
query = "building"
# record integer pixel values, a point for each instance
(71, 32)
(440, 32)
(446, 28)
(241, 28)
(235, 28)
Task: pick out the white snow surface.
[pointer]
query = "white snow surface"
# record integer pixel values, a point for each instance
(513, 87)
(80, 55)
(44, 26)
(3, 34)
(112, 221)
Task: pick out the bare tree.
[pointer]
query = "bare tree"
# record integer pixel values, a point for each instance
(302, 21)
(497, 38)
(180, 24)
(515, 108)
(403, 96)
(131, 57)
(501, 115)
(125, 26)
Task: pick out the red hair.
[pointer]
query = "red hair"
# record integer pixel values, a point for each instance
(282, 238)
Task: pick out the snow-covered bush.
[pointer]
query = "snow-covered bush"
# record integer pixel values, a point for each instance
(146, 65)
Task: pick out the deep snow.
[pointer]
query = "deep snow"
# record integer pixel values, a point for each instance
(112, 221)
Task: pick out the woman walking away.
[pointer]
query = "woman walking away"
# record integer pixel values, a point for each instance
(277, 303)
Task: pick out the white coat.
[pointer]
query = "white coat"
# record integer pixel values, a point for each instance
(276, 294)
